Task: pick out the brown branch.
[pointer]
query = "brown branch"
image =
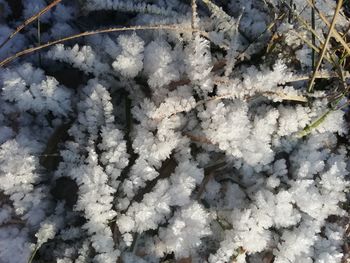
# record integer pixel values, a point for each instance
(29, 20)
(174, 27)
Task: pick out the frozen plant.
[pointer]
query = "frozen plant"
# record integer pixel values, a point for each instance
(190, 138)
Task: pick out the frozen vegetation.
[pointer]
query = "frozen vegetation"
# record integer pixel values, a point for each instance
(189, 138)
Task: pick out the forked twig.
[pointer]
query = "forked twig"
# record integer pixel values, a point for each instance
(324, 48)
(29, 20)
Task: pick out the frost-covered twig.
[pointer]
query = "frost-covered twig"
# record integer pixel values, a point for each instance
(174, 27)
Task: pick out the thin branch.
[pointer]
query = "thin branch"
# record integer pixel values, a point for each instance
(174, 27)
(324, 49)
(29, 20)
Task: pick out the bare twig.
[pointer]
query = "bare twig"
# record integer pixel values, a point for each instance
(324, 49)
(29, 20)
(174, 27)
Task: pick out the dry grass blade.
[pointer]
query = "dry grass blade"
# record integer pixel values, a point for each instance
(174, 27)
(279, 94)
(313, 35)
(32, 255)
(308, 129)
(284, 96)
(324, 48)
(319, 75)
(336, 34)
(194, 23)
(329, 57)
(312, 46)
(304, 23)
(30, 20)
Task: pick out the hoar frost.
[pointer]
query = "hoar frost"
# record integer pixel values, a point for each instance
(170, 144)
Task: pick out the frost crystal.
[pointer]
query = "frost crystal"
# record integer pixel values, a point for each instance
(169, 130)
(129, 62)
